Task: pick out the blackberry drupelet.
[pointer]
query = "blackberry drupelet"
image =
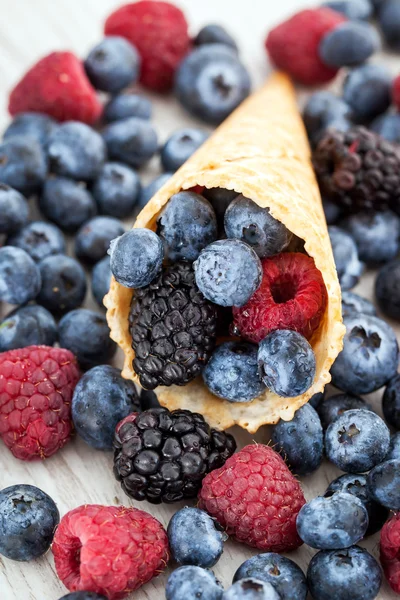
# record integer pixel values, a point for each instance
(173, 328)
(358, 170)
(163, 456)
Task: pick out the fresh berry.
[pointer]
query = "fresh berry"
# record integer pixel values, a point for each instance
(28, 518)
(323, 110)
(132, 141)
(387, 126)
(292, 295)
(148, 399)
(357, 441)
(195, 538)
(300, 441)
(383, 484)
(57, 86)
(36, 386)
(94, 237)
(160, 33)
(112, 65)
(23, 164)
(299, 56)
(356, 10)
(251, 589)
(351, 573)
(33, 124)
(30, 325)
(39, 239)
(331, 408)
(376, 235)
(180, 146)
(192, 583)
(214, 34)
(111, 550)
(345, 254)
(353, 303)
(387, 288)
(367, 90)
(356, 485)
(389, 22)
(245, 220)
(390, 551)
(136, 258)
(101, 279)
(255, 498)
(220, 199)
(19, 276)
(394, 447)
(211, 82)
(149, 190)
(59, 194)
(391, 402)
(316, 400)
(102, 398)
(116, 190)
(127, 105)
(332, 211)
(232, 372)
(63, 284)
(83, 596)
(163, 456)
(76, 150)
(349, 44)
(396, 91)
(370, 355)
(282, 573)
(14, 211)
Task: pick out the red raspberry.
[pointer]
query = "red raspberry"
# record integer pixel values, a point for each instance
(292, 295)
(256, 498)
(396, 92)
(159, 31)
(57, 85)
(36, 387)
(293, 45)
(110, 550)
(390, 551)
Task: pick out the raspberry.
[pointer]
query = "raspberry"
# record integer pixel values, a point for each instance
(110, 550)
(390, 551)
(256, 499)
(292, 295)
(160, 33)
(36, 387)
(396, 92)
(293, 45)
(57, 86)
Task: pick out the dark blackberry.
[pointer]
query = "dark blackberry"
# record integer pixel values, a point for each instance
(163, 456)
(358, 170)
(173, 328)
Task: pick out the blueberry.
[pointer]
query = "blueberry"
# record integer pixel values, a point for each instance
(384, 484)
(391, 402)
(59, 194)
(369, 357)
(192, 583)
(389, 22)
(76, 150)
(355, 10)
(101, 279)
(323, 110)
(27, 326)
(87, 335)
(286, 363)
(180, 146)
(388, 126)
(282, 573)
(35, 125)
(148, 399)
(116, 190)
(63, 284)
(19, 276)
(377, 235)
(251, 589)
(300, 441)
(316, 400)
(367, 89)
(14, 211)
(132, 141)
(23, 164)
(345, 254)
(387, 289)
(245, 220)
(94, 237)
(228, 272)
(331, 408)
(136, 258)
(351, 574)
(232, 372)
(214, 34)
(186, 225)
(149, 190)
(349, 44)
(39, 240)
(357, 441)
(394, 447)
(83, 596)
(124, 106)
(102, 398)
(332, 211)
(353, 303)
(220, 199)
(333, 522)
(211, 82)
(112, 65)
(28, 519)
(356, 484)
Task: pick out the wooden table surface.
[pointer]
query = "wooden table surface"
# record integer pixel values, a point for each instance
(78, 474)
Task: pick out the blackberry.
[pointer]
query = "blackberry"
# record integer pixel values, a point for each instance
(173, 328)
(163, 456)
(358, 170)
